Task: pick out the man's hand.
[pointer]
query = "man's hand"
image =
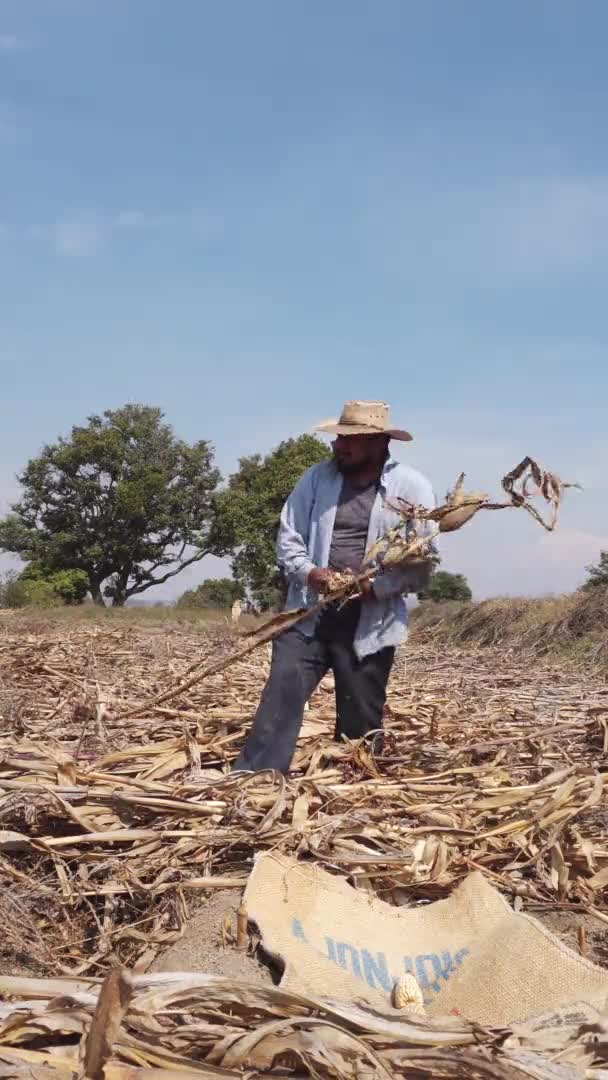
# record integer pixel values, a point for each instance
(319, 580)
(367, 590)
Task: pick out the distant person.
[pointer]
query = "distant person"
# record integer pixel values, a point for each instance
(334, 513)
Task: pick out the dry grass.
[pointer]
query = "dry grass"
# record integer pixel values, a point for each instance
(138, 615)
(112, 829)
(574, 625)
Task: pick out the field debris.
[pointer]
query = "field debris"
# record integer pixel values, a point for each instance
(195, 1025)
(113, 831)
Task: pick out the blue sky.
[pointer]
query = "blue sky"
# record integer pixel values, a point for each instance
(247, 212)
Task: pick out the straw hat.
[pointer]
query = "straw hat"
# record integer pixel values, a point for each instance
(364, 418)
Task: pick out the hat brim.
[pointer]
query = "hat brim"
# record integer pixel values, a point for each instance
(334, 427)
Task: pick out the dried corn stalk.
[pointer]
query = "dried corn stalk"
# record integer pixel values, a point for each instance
(526, 481)
(534, 481)
(409, 542)
(185, 1025)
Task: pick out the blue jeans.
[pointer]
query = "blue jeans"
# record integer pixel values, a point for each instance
(298, 665)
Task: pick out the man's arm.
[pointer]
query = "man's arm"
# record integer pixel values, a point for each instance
(294, 530)
(398, 581)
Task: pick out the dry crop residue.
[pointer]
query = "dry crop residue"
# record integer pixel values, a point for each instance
(113, 833)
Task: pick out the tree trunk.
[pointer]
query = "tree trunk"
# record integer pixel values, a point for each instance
(120, 586)
(96, 593)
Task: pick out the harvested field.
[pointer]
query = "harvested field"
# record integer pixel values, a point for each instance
(116, 833)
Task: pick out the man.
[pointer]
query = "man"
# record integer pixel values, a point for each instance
(336, 511)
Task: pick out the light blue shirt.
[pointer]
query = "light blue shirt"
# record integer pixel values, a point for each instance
(304, 540)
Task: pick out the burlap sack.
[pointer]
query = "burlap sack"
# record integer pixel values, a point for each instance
(471, 954)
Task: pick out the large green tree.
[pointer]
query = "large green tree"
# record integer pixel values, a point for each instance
(212, 593)
(446, 586)
(122, 499)
(597, 575)
(248, 510)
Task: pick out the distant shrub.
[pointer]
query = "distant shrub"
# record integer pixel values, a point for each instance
(212, 593)
(12, 591)
(35, 587)
(444, 586)
(597, 575)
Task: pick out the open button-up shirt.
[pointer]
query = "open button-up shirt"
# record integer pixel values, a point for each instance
(304, 541)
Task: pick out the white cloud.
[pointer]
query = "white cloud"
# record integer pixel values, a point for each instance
(130, 219)
(87, 233)
(77, 239)
(522, 225)
(195, 222)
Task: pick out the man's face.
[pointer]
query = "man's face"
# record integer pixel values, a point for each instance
(353, 452)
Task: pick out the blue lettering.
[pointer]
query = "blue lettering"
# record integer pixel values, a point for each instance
(421, 974)
(429, 969)
(298, 931)
(331, 949)
(448, 967)
(376, 969)
(355, 963)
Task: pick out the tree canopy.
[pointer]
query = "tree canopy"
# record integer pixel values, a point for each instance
(213, 593)
(598, 574)
(122, 500)
(248, 511)
(446, 586)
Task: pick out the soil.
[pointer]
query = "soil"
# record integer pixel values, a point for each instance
(566, 926)
(201, 947)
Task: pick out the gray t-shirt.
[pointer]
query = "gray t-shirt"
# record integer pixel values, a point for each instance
(349, 539)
